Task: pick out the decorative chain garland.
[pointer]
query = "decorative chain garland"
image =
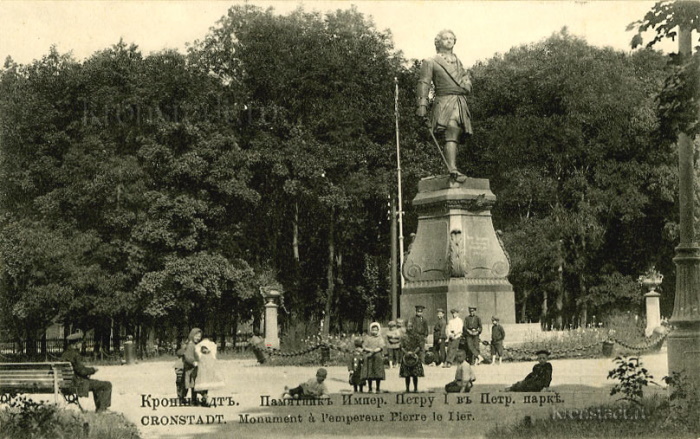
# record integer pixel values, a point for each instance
(323, 345)
(643, 347)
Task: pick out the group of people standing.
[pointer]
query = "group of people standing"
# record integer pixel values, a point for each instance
(458, 334)
(449, 337)
(405, 348)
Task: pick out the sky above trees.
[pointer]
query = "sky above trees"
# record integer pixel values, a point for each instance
(483, 27)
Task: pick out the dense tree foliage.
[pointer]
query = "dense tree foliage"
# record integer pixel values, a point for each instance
(123, 193)
(320, 92)
(161, 192)
(569, 135)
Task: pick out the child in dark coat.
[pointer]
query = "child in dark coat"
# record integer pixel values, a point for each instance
(498, 334)
(411, 366)
(355, 367)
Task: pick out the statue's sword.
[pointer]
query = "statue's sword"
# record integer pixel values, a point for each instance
(444, 160)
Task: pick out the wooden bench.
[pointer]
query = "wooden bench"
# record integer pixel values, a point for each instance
(51, 377)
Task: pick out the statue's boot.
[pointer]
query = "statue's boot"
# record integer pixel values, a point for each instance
(451, 157)
(458, 176)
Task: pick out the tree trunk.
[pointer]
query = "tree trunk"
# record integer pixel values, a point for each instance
(523, 308)
(583, 315)
(545, 310)
(151, 339)
(559, 303)
(339, 267)
(117, 340)
(66, 333)
(223, 324)
(106, 337)
(30, 343)
(234, 331)
(257, 323)
(329, 274)
(583, 307)
(138, 335)
(295, 232)
(96, 341)
(43, 346)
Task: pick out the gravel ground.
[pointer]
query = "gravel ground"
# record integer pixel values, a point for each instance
(575, 384)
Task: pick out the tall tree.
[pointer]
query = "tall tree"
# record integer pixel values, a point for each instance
(319, 89)
(567, 135)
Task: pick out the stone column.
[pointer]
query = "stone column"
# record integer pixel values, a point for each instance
(684, 340)
(271, 295)
(272, 339)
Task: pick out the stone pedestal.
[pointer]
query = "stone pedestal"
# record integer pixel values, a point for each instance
(653, 312)
(272, 339)
(456, 259)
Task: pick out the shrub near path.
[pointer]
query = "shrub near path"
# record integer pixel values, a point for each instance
(676, 415)
(24, 417)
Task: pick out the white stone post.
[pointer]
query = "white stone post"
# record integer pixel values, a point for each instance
(650, 280)
(653, 312)
(271, 296)
(272, 339)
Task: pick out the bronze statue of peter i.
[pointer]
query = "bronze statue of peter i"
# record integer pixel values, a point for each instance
(450, 113)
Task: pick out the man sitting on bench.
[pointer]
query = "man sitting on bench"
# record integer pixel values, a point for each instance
(101, 390)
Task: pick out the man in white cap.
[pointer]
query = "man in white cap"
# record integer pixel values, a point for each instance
(454, 335)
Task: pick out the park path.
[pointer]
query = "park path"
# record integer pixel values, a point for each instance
(578, 383)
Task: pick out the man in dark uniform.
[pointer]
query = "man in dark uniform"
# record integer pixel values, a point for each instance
(101, 390)
(439, 337)
(420, 327)
(472, 331)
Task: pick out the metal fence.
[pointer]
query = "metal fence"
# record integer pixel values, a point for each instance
(51, 348)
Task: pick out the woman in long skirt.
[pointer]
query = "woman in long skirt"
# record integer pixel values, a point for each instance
(373, 347)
